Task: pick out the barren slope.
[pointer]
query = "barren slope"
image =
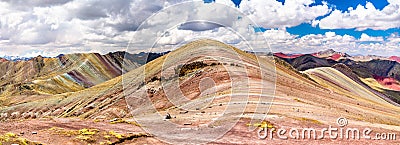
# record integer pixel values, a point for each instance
(206, 85)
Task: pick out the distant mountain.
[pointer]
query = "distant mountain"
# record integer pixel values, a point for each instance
(202, 86)
(370, 69)
(16, 58)
(331, 54)
(327, 54)
(66, 72)
(395, 58)
(383, 71)
(367, 58)
(282, 55)
(308, 61)
(365, 69)
(334, 55)
(3, 59)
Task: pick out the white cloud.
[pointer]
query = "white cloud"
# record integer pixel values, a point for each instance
(282, 41)
(365, 37)
(364, 17)
(273, 14)
(66, 26)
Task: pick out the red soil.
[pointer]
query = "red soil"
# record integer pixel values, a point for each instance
(335, 56)
(395, 58)
(388, 82)
(282, 55)
(3, 60)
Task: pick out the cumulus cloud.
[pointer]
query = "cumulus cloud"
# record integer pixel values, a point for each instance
(29, 28)
(279, 40)
(364, 17)
(274, 14)
(23, 4)
(365, 37)
(330, 40)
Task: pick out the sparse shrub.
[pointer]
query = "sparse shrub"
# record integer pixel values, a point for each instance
(13, 138)
(190, 67)
(264, 124)
(155, 78)
(119, 120)
(107, 137)
(25, 87)
(86, 138)
(88, 132)
(117, 135)
(213, 64)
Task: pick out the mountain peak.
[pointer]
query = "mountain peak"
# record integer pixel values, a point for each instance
(327, 52)
(206, 42)
(330, 53)
(15, 58)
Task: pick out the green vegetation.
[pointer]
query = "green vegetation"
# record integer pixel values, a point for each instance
(119, 120)
(88, 132)
(298, 100)
(185, 69)
(117, 135)
(86, 138)
(82, 134)
(11, 138)
(264, 124)
(94, 136)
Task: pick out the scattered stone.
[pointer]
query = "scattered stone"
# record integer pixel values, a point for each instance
(168, 116)
(197, 108)
(37, 114)
(15, 115)
(203, 125)
(220, 104)
(183, 112)
(185, 129)
(34, 132)
(187, 123)
(203, 111)
(4, 115)
(115, 119)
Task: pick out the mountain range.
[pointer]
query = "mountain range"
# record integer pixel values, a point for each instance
(202, 86)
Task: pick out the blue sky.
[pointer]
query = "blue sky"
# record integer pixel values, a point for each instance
(49, 28)
(363, 35)
(343, 5)
(305, 29)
